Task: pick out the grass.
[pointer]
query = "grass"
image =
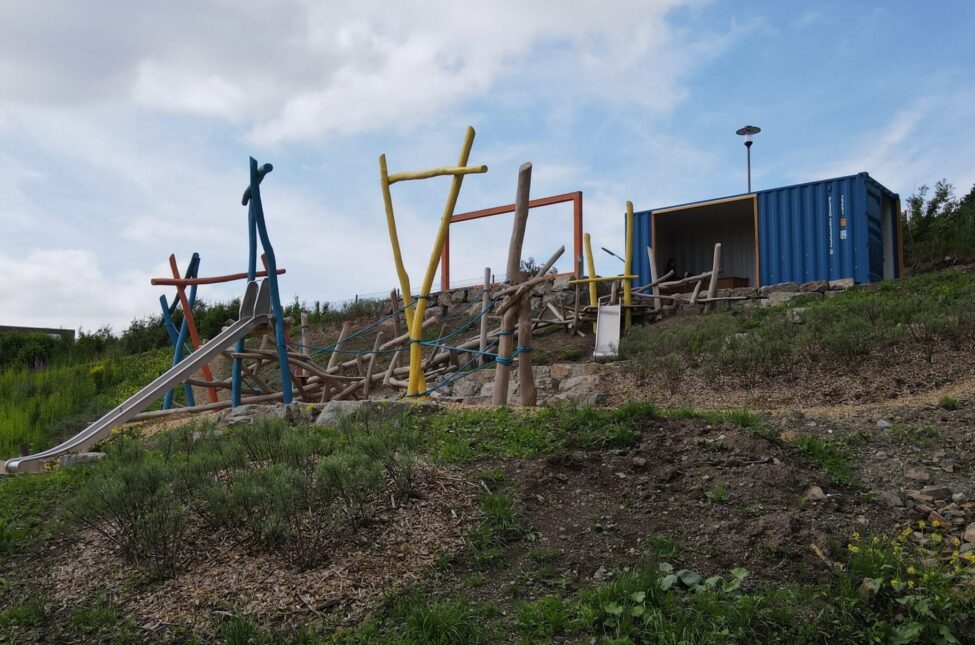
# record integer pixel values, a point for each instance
(27, 506)
(916, 313)
(915, 435)
(948, 403)
(254, 481)
(717, 495)
(102, 621)
(831, 456)
(883, 594)
(465, 436)
(486, 544)
(41, 407)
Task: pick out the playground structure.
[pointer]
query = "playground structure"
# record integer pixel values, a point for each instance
(399, 362)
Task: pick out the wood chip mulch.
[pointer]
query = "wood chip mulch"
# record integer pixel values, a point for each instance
(225, 578)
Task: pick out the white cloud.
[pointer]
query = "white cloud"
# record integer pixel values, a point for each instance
(301, 69)
(902, 153)
(69, 288)
(125, 129)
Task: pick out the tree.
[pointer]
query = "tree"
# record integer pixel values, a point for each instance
(530, 267)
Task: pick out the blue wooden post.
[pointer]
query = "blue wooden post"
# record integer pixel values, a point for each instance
(235, 367)
(253, 196)
(179, 339)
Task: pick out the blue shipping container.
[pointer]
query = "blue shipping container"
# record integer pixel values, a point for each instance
(848, 227)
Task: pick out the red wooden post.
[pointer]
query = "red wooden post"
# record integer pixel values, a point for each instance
(191, 325)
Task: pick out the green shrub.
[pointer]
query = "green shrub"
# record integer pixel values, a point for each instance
(277, 488)
(350, 479)
(912, 314)
(130, 500)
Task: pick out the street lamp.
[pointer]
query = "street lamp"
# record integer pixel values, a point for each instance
(747, 132)
(613, 254)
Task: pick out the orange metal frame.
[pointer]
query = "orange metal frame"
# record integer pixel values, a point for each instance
(575, 198)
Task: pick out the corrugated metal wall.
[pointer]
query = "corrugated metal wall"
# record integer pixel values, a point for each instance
(824, 230)
(813, 231)
(688, 238)
(642, 238)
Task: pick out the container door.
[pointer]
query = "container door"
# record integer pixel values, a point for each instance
(889, 226)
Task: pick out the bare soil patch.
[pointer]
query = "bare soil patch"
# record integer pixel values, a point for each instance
(723, 495)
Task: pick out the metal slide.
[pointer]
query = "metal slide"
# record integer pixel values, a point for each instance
(607, 333)
(255, 310)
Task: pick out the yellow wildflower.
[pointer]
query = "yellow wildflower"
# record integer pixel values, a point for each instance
(921, 524)
(911, 570)
(852, 548)
(895, 582)
(856, 536)
(910, 584)
(935, 523)
(936, 538)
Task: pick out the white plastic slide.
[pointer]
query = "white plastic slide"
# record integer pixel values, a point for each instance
(255, 310)
(607, 333)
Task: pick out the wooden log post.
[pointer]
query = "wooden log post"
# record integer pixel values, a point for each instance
(305, 350)
(397, 332)
(334, 358)
(505, 346)
(526, 377)
(575, 310)
(417, 380)
(591, 268)
(628, 268)
(191, 325)
(653, 278)
(485, 302)
(372, 364)
(713, 285)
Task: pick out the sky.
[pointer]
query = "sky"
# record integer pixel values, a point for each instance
(126, 128)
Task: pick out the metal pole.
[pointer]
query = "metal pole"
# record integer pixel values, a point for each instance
(748, 146)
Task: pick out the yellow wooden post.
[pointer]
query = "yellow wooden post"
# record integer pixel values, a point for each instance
(628, 268)
(416, 384)
(404, 278)
(591, 268)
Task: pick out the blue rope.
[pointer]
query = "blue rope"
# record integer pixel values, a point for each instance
(459, 374)
(331, 348)
(470, 322)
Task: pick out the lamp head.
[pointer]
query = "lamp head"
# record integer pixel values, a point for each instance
(748, 131)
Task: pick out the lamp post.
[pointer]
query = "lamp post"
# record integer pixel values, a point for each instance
(747, 132)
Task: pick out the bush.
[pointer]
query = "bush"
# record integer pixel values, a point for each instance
(914, 314)
(939, 228)
(287, 490)
(131, 502)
